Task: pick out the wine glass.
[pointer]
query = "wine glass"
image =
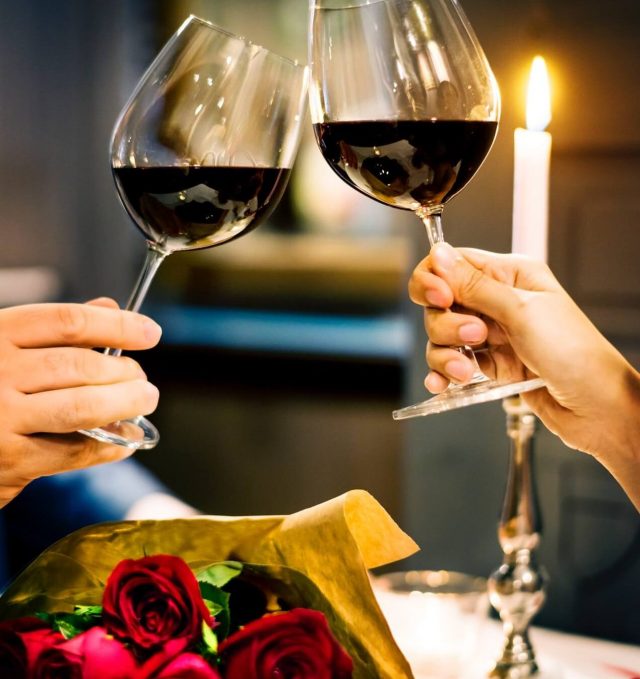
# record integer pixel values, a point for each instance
(405, 109)
(201, 154)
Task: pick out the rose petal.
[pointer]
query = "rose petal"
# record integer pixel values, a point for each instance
(21, 642)
(188, 666)
(297, 643)
(105, 657)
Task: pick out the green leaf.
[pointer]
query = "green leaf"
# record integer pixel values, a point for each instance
(47, 617)
(217, 601)
(67, 628)
(214, 609)
(88, 612)
(67, 624)
(209, 642)
(72, 624)
(220, 573)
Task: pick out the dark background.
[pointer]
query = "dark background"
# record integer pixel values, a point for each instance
(269, 414)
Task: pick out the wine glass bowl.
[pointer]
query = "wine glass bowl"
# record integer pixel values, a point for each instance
(405, 109)
(201, 154)
(203, 150)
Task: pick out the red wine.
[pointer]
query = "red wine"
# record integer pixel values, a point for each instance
(406, 163)
(190, 207)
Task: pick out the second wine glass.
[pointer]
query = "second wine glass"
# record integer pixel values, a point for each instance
(405, 109)
(201, 154)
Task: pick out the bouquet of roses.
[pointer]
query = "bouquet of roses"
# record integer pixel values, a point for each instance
(273, 597)
(158, 620)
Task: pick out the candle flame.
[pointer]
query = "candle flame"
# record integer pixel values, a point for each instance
(538, 96)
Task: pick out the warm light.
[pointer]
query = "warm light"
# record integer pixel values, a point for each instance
(538, 96)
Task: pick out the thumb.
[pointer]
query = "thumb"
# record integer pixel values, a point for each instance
(106, 302)
(471, 287)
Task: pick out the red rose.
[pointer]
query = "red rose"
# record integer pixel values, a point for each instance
(56, 662)
(168, 663)
(297, 644)
(94, 654)
(188, 666)
(152, 600)
(21, 642)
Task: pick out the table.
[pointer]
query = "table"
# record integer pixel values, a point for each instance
(434, 636)
(567, 656)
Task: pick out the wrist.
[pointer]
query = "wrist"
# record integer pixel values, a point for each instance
(621, 451)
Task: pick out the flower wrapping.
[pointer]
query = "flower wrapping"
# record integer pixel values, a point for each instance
(317, 558)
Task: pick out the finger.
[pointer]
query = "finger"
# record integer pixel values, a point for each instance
(48, 325)
(514, 271)
(425, 288)
(66, 410)
(450, 363)
(471, 286)
(518, 271)
(436, 383)
(44, 455)
(454, 329)
(61, 368)
(486, 361)
(106, 302)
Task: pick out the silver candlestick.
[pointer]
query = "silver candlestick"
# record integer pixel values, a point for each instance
(517, 588)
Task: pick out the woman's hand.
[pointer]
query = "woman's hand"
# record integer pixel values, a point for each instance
(525, 324)
(53, 383)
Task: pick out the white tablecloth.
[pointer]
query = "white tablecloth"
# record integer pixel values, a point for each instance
(567, 656)
(430, 638)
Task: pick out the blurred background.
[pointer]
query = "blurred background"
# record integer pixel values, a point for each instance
(284, 352)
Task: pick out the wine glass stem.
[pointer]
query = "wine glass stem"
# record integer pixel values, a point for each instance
(152, 261)
(432, 220)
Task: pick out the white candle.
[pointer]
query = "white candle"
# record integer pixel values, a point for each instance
(532, 155)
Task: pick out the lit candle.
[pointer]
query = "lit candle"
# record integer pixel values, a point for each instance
(532, 154)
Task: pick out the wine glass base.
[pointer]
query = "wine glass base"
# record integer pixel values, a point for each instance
(460, 396)
(137, 433)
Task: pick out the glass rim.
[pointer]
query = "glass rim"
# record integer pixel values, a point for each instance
(192, 18)
(344, 4)
(437, 582)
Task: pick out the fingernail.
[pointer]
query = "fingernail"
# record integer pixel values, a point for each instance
(152, 331)
(434, 298)
(457, 370)
(471, 332)
(444, 256)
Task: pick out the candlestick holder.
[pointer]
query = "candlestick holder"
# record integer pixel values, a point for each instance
(517, 588)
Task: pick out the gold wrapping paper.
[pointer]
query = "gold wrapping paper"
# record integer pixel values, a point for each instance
(318, 557)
